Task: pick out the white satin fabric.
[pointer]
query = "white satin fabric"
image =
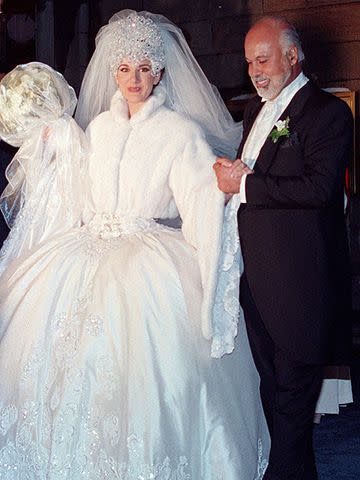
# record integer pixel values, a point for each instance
(105, 372)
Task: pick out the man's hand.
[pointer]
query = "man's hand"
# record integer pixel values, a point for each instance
(239, 168)
(229, 174)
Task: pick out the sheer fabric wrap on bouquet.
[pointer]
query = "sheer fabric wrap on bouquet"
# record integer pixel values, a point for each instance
(45, 188)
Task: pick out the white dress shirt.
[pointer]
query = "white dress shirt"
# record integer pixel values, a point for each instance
(264, 123)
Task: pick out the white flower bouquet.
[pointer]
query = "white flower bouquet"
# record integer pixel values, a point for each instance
(36, 105)
(32, 95)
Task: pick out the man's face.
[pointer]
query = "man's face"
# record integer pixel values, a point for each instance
(269, 68)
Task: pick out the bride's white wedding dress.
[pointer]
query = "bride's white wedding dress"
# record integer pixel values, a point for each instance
(105, 371)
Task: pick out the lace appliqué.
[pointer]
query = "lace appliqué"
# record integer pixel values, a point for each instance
(106, 231)
(104, 368)
(94, 325)
(111, 225)
(70, 326)
(67, 338)
(52, 201)
(34, 362)
(136, 469)
(8, 416)
(27, 458)
(22, 458)
(227, 309)
(262, 462)
(24, 221)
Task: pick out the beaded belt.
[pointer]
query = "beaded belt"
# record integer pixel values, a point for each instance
(111, 225)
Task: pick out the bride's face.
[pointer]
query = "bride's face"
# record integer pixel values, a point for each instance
(136, 82)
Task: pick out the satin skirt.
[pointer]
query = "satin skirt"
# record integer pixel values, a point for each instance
(104, 372)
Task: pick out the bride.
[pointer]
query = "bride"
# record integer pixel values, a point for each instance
(106, 313)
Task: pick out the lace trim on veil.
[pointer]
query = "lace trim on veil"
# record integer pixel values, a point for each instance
(227, 310)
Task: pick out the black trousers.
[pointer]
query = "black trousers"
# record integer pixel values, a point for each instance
(289, 391)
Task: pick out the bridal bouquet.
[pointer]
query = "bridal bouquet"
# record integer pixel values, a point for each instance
(31, 95)
(36, 107)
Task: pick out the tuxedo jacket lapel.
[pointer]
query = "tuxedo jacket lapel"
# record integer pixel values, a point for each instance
(293, 111)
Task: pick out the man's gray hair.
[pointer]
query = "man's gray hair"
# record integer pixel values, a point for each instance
(288, 34)
(290, 37)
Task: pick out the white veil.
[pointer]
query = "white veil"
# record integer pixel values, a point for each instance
(188, 90)
(190, 93)
(45, 187)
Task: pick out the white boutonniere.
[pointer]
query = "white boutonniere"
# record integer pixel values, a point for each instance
(281, 129)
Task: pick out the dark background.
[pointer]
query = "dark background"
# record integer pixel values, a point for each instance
(63, 33)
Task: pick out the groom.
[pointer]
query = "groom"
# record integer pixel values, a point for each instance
(295, 287)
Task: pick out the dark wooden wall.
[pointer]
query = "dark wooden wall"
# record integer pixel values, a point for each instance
(215, 29)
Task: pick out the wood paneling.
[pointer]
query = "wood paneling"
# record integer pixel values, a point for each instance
(227, 70)
(199, 36)
(331, 24)
(229, 33)
(335, 62)
(220, 8)
(178, 10)
(329, 30)
(272, 6)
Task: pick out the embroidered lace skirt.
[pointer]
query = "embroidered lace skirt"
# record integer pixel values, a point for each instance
(104, 373)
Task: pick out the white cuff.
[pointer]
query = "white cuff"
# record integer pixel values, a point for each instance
(242, 188)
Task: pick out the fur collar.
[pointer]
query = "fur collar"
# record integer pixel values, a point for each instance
(119, 108)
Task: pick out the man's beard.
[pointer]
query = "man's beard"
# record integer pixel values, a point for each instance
(274, 87)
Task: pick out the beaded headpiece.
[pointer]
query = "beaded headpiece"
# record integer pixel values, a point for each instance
(136, 37)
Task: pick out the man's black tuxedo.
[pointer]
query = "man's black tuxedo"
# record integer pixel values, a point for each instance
(292, 228)
(6, 153)
(295, 290)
